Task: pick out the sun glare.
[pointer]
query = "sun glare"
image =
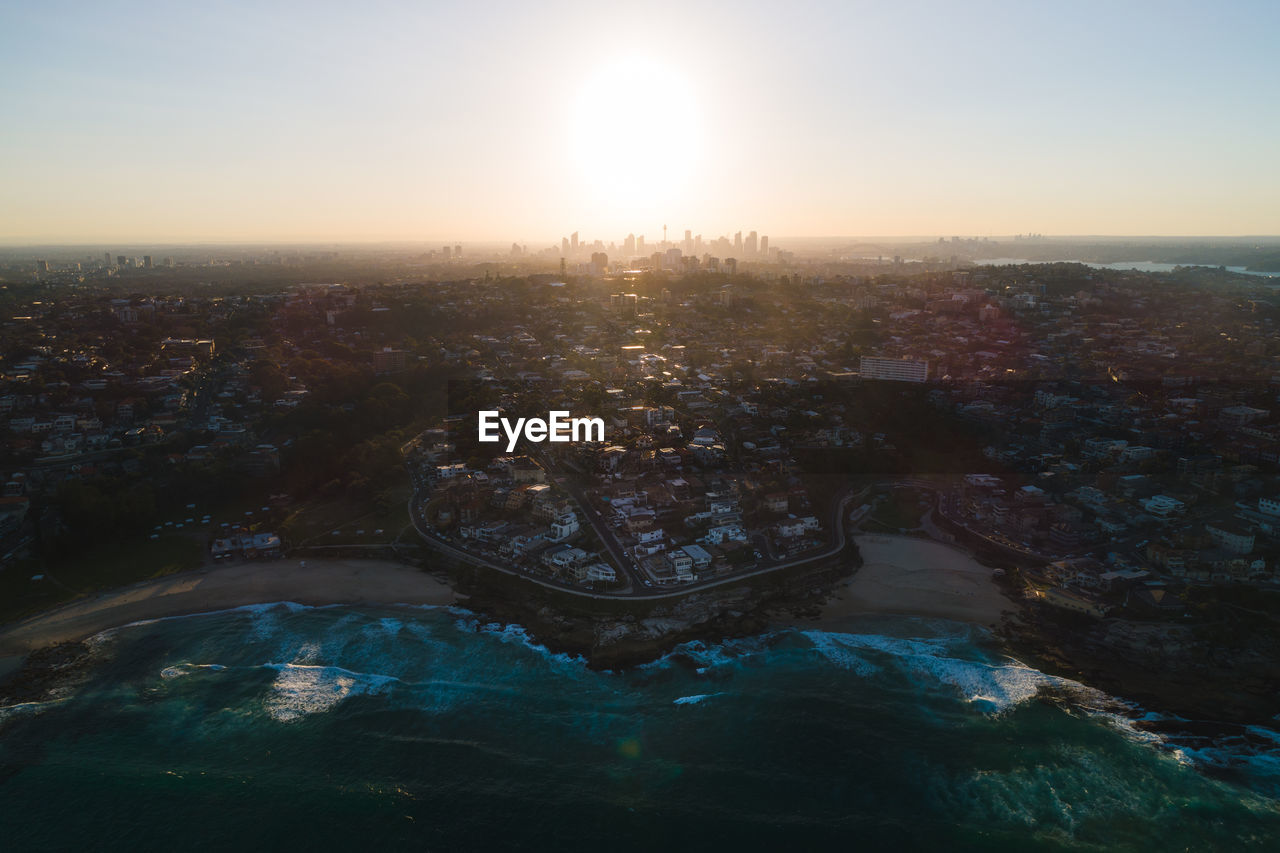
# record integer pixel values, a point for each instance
(635, 134)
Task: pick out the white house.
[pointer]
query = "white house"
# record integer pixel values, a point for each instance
(563, 527)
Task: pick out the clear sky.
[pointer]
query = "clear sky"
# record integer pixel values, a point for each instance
(265, 121)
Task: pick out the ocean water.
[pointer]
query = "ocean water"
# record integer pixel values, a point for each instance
(338, 728)
(1140, 266)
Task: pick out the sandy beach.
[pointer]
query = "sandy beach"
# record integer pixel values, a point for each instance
(902, 574)
(220, 587)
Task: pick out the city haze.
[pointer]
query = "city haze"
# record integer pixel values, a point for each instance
(318, 122)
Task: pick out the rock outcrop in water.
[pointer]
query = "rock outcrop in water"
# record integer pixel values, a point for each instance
(1163, 666)
(623, 633)
(47, 674)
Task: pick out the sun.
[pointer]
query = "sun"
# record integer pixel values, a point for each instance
(635, 134)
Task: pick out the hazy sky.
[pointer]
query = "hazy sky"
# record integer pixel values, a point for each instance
(524, 121)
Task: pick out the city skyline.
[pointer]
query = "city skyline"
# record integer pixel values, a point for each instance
(291, 124)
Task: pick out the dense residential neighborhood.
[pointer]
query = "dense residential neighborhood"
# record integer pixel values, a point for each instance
(1108, 433)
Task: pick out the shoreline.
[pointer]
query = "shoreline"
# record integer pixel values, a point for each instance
(310, 582)
(900, 575)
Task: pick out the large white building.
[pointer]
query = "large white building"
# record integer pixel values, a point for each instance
(894, 369)
(1232, 538)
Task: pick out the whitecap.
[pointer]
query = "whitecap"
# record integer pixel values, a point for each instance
(707, 657)
(693, 700)
(179, 670)
(996, 687)
(517, 635)
(8, 712)
(300, 690)
(830, 648)
(252, 609)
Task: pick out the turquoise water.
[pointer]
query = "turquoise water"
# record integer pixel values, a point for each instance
(338, 728)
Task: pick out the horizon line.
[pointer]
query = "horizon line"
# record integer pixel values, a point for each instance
(435, 242)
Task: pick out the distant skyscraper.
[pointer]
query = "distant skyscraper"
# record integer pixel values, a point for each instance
(629, 246)
(573, 242)
(107, 258)
(42, 266)
(457, 250)
(640, 245)
(564, 247)
(750, 247)
(894, 369)
(146, 262)
(688, 242)
(122, 261)
(737, 242)
(764, 245)
(388, 360)
(444, 251)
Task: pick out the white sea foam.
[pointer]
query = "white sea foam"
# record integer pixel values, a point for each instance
(999, 686)
(101, 638)
(179, 670)
(387, 625)
(693, 700)
(300, 690)
(256, 609)
(8, 712)
(1234, 754)
(516, 634)
(706, 657)
(834, 651)
(996, 687)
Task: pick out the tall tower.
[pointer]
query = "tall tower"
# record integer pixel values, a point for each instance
(664, 236)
